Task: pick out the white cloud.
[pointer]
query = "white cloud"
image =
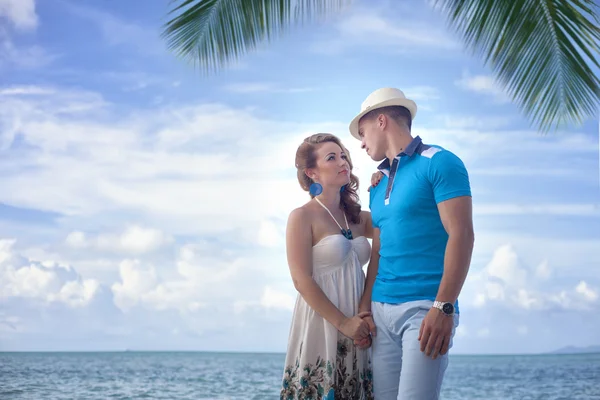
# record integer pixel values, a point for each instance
(472, 122)
(505, 266)
(424, 96)
(21, 13)
(76, 294)
(205, 275)
(273, 298)
(198, 292)
(505, 282)
(134, 240)
(76, 239)
(584, 290)
(565, 256)
(135, 284)
(372, 30)
(264, 87)
(479, 300)
(543, 270)
(484, 84)
(571, 173)
(22, 57)
(178, 167)
(47, 281)
(271, 234)
(174, 165)
(422, 93)
(26, 90)
(591, 210)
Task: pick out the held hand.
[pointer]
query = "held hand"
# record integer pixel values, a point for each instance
(355, 327)
(435, 333)
(372, 328)
(366, 342)
(363, 343)
(375, 178)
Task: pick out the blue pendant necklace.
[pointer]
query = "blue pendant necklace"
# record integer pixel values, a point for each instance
(346, 232)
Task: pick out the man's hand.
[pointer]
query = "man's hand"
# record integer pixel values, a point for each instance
(435, 333)
(366, 342)
(372, 328)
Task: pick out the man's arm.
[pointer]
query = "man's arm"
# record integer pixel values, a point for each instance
(452, 192)
(365, 300)
(436, 328)
(457, 218)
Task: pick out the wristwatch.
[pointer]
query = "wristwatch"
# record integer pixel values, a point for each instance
(446, 308)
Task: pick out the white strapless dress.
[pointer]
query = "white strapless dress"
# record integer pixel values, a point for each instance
(322, 363)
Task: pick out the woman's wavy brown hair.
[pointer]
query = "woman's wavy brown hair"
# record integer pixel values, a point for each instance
(306, 158)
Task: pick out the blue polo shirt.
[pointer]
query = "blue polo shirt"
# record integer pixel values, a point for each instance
(404, 208)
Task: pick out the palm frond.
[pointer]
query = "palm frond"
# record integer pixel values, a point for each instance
(212, 33)
(542, 53)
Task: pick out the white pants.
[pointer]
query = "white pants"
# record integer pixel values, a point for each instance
(400, 370)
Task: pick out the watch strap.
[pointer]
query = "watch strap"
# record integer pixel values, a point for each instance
(440, 306)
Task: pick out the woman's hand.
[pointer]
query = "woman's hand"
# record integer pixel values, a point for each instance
(355, 327)
(375, 179)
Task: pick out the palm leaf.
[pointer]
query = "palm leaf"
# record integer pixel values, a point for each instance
(541, 51)
(213, 33)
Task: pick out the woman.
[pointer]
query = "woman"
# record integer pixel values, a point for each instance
(327, 247)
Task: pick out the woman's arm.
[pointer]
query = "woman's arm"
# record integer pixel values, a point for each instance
(299, 254)
(365, 217)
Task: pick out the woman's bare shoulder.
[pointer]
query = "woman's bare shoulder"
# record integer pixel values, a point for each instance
(303, 214)
(365, 217)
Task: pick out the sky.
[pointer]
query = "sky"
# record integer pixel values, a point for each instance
(143, 204)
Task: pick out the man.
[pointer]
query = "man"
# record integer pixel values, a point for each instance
(422, 246)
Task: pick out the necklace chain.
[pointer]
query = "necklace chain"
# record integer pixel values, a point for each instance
(346, 232)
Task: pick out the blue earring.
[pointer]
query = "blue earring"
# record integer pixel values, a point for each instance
(315, 189)
(342, 188)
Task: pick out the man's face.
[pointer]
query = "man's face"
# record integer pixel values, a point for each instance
(372, 138)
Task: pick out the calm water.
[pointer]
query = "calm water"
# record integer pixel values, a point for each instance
(156, 375)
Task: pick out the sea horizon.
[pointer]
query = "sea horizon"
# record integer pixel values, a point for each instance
(248, 352)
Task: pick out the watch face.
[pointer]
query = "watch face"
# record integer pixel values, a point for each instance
(448, 308)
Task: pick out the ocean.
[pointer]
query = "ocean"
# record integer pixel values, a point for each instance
(197, 375)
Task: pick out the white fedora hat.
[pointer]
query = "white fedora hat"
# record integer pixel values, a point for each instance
(383, 97)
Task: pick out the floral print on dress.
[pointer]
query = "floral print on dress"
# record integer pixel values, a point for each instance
(340, 379)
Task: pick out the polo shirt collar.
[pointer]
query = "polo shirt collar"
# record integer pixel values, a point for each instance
(409, 151)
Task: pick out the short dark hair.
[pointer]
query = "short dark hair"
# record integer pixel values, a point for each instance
(397, 113)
